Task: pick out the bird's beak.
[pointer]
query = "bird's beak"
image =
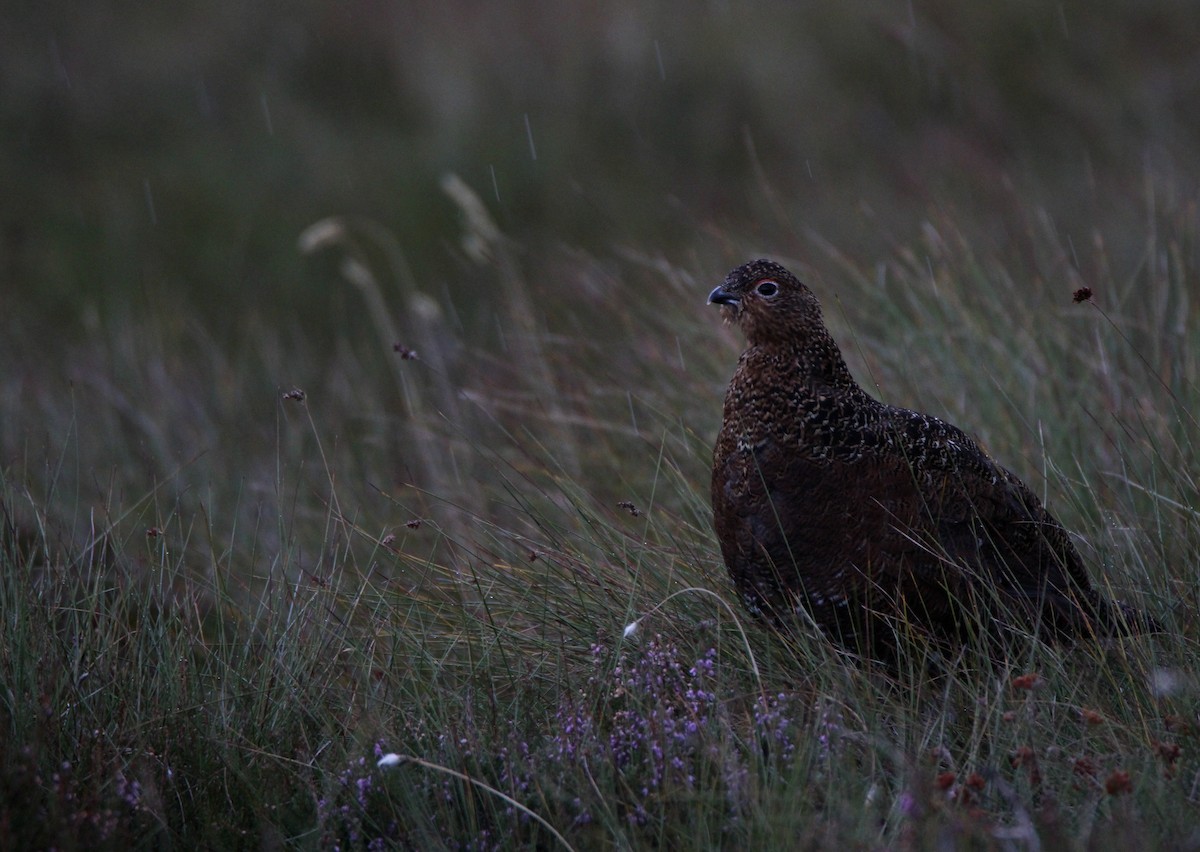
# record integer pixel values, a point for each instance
(719, 296)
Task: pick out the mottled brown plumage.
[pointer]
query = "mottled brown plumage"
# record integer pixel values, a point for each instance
(867, 516)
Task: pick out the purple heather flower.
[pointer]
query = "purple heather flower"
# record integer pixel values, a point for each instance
(130, 792)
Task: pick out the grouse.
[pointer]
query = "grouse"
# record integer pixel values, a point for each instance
(871, 518)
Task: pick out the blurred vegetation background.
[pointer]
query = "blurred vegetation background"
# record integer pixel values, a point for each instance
(168, 159)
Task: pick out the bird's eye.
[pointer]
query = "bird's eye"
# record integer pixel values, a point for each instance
(767, 288)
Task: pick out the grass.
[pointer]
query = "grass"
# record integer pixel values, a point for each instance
(250, 546)
(234, 582)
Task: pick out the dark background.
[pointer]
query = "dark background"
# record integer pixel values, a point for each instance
(169, 156)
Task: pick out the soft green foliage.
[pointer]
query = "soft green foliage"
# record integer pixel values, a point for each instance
(283, 491)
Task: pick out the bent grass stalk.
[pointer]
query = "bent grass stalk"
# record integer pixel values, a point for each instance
(403, 759)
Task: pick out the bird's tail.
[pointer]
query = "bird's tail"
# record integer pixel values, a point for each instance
(1114, 618)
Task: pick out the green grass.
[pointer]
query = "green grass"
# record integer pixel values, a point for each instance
(224, 605)
(224, 601)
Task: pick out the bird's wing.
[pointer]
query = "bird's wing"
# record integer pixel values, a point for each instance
(990, 523)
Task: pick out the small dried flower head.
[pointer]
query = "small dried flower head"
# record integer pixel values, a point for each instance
(1009, 716)
(628, 506)
(295, 394)
(1091, 717)
(630, 629)
(1085, 767)
(1027, 681)
(389, 759)
(1118, 783)
(945, 780)
(1168, 751)
(533, 556)
(406, 354)
(1083, 294)
(414, 524)
(1023, 756)
(1176, 724)
(389, 540)
(153, 532)
(976, 781)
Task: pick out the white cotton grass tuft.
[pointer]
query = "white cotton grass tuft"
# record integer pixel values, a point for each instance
(630, 629)
(389, 759)
(1165, 682)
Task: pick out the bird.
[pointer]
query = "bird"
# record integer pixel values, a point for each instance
(871, 520)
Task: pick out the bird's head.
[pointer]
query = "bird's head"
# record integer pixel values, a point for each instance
(770, 304)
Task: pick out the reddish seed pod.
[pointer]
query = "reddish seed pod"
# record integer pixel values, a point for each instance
(1118, 783)
(1027, 681)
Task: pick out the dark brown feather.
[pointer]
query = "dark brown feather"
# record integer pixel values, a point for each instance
(863, 515)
